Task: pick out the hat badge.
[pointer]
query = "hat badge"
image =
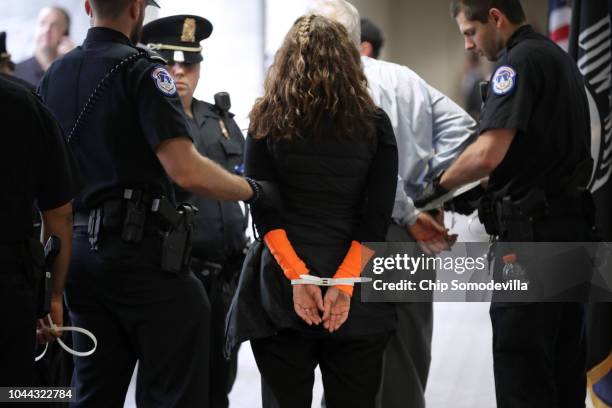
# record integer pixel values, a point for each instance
(189, 30)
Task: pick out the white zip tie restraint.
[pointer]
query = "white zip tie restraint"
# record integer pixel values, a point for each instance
(64, 346)
(315, 280)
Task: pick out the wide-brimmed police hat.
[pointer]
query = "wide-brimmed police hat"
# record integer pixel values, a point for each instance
(177, 38)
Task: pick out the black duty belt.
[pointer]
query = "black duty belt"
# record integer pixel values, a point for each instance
(534, 206)
(138, 214)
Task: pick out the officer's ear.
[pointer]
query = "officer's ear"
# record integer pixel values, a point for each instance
(136, 8)
(496, 16)
(88, 8)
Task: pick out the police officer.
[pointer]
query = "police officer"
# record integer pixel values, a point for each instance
(130, 284)
(535, 150)
(219, 239)
(35, 166)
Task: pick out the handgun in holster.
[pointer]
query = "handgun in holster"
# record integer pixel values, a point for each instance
(52, 249)
(176, 246)
(511, 218)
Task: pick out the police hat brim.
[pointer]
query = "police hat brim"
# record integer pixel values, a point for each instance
(153, 3)
(181, 56)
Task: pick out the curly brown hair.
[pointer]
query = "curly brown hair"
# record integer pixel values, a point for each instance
(316, 74)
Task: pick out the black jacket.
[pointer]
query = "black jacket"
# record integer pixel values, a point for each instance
(334, 190)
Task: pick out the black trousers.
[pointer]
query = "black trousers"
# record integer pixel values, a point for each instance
(407, 357)
(220, 288)
(539, 349)
(351, 368)
(18, 335)
(138, 313)
(539, 354)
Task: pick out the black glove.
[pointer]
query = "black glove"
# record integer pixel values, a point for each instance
(265, 194)
(432, 191)
(466, 203)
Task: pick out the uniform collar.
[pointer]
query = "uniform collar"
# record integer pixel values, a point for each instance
(519, 35)
(104, 34)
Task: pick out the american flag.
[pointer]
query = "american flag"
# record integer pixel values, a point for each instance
(559, 22)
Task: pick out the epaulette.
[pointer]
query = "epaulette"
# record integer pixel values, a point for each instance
(153, 55)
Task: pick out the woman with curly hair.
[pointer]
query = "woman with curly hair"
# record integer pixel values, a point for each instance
(318, 136)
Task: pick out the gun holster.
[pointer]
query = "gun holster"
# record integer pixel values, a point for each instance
(176, 245)
(512, 219)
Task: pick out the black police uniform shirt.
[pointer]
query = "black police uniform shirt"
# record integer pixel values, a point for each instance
(36, 164)
(137, 110)
(219, 225)
(537, 89)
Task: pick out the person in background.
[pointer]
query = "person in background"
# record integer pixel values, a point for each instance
(52, 40)
(473, 76)
(372, 39)
(7, 66)
(319, 136)
(219, 238)
(431, 131)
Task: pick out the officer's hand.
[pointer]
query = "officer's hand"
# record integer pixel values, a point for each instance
(44, 333)
(307, 302)
(432, 191)
(337, 305)
(466, 203)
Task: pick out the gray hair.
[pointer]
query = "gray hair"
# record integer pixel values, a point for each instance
(342, 12)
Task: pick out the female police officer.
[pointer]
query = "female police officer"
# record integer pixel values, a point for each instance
(219, 237)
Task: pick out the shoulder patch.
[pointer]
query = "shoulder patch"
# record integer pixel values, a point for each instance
(504, 80)
(163, 81)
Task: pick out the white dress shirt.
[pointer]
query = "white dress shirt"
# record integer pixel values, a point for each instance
(431, 130)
